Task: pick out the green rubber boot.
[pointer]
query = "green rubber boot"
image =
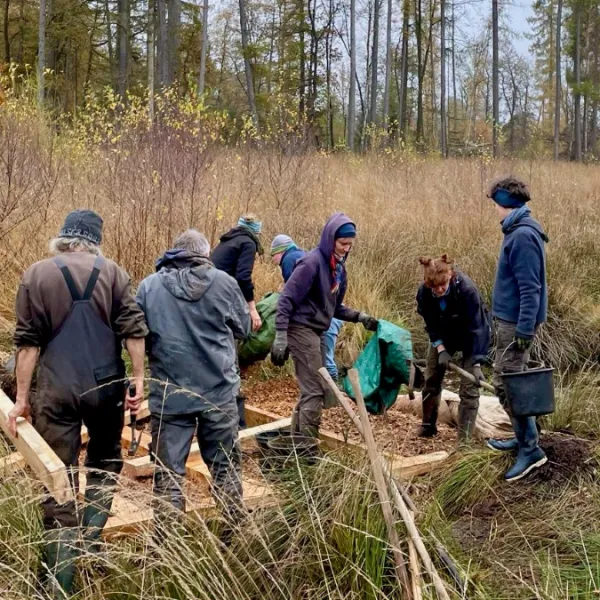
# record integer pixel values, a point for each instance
(98, 499)
(61, 552)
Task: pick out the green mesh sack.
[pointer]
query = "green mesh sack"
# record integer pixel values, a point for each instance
(258, 344)
(383, 366)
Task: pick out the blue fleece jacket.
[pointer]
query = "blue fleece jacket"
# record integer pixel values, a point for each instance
(520, 295)
(289, 260)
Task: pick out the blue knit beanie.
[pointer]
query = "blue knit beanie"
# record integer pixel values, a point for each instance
(347, 230)
(251, 223)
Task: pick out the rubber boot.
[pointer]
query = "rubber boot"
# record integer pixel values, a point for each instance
(530, 455)
(430, 416)
(241, 406)
(467, 417)
(61, 552)
(507, 445)
(98, 501)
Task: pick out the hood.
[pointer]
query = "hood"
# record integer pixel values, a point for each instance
(241, 231)
(528, 221)
(185, 275)
(327, 243)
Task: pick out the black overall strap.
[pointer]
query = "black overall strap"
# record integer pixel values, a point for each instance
(68, 279)
(91, 284)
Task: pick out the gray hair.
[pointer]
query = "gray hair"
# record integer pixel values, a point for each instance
(193, 241)
(61, 245)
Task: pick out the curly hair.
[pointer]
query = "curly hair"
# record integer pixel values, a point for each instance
(436, 270)
(515, 187)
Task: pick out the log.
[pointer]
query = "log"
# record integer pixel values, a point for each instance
(382, 489)
(37, 453)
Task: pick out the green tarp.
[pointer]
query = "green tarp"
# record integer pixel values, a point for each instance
(258, 344)
(383, 366)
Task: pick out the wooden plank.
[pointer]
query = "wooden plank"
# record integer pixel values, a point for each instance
(412, 466)
(12, 463)
(251, 432)
(145, 440)
(37, 453)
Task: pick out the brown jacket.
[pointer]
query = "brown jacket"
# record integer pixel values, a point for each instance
(43, 300)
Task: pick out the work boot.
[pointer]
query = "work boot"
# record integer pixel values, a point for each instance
(503, 445)
(60, 554)
(430, 416)
(530, 455)
(467, 417)
(98, 501)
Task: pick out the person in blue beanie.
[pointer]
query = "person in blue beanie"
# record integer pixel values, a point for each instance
(286, 254)
(519, 307)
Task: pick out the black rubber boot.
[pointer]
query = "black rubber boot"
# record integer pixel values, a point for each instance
(430, 416)
(61, 552)
(467, 417)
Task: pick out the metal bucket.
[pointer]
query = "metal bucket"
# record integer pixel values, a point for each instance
(530, 393)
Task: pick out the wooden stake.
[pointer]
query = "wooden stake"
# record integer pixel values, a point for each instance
(382, 488)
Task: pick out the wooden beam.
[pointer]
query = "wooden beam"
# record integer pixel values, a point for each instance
(406, 467)
(37, 453)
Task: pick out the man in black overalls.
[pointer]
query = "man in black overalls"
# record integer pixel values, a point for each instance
(72, 313)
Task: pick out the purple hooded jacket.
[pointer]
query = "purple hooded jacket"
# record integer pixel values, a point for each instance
(307, 298)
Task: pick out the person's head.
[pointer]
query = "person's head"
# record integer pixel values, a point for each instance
(279, 246)
(193, 241)
(509, 193)
(437, 273)
(251, 222)
(81, 232)
(344, 239)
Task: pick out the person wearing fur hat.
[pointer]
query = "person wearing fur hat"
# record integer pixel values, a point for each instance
(519, 307)
(312, 297)
(286, 254)
(456, 320)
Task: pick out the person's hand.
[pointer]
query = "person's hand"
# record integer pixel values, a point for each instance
(368, 322)
(256, 320)
(279, 350)
(478, 374)
(444, 358)
(522, 343)
(20, 409)
(133, 402)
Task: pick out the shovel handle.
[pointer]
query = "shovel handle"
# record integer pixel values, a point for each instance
(484, 384)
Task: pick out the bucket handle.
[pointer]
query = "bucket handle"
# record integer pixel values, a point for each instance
(541, 363)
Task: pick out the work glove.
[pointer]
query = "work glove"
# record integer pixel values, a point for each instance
(444, 358)
(368, 322)
(279, 350)
(478, 374)
(522, 343)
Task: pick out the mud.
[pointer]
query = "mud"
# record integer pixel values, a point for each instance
(567, 456)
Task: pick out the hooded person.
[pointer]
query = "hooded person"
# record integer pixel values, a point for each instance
(312, 297)
(456, 320)
(194, 312)
(286, 254)
(519, 307)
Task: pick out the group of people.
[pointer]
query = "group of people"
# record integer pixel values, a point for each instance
(77, 310)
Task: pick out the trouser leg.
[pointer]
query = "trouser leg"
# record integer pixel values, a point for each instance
(241, 398)
(330, 339)
(305, 348)
(434, 376)
(469, 403)
(172, 437)
(220, 450)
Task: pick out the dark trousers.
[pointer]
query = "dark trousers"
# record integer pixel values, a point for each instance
(308, 350)
(60, 426)
(509, 359)
(217, 432)
(468, 394)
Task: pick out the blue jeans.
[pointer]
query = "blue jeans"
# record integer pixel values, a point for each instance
(330, 337)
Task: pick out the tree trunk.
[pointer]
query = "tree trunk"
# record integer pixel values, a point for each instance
(6, 32)
(109, 43)
(557, 91)
(41, 66)
(123, 43)
(577, 90)
(303, 83)
(374, 63)
(388, 68)
(204, 50)
(174, 37)
(352, 95)
(150, 55)
(328, 61)
(443, 130)
(404, 68)
(420, 74)
(495, 82)
(454, 93)
(248, 64)
(163, 52)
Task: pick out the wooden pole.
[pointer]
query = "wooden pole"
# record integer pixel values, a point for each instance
(397, 497)
(382, 488)
(469, 377)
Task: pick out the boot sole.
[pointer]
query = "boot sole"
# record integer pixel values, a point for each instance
(498, 449)
(528, 470)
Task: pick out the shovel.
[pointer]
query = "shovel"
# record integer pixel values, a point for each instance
(135, 443)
